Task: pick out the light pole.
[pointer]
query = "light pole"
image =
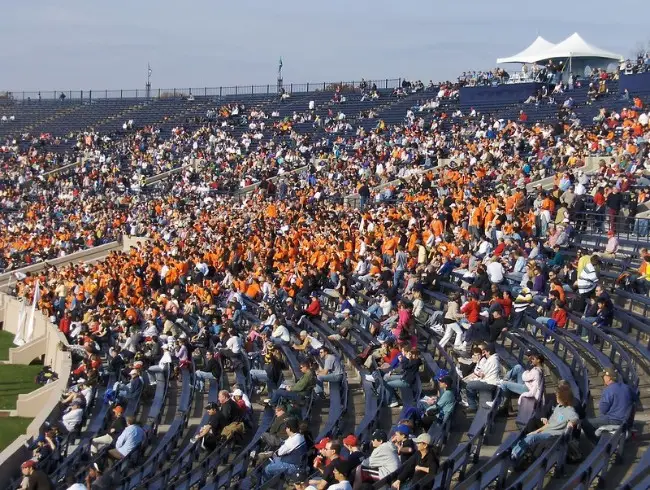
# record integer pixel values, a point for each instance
(280, 76)
(148, 85)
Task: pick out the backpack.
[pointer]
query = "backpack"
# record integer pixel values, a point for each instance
(573, 453)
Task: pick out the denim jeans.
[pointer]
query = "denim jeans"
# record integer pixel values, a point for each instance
(151, 373)
(276, 467)
(392, 383)
(200, 377)
(290, 395)
(278, 341)
(375, 310)
(259, 376)
(397, 276)
(590, 320)
(326, 378)
(514, 382)
(528, 442)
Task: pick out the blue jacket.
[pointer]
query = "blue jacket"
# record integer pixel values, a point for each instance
(615, 402)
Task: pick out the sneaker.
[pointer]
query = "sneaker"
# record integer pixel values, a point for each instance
(393, 404)
(489, 404)
(266, 401)
(464, 403)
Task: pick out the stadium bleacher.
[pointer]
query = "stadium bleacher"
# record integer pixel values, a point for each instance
(215, 269)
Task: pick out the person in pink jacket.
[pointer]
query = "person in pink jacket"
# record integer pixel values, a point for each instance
(525, 383)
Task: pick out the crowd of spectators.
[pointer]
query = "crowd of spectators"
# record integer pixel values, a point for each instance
(180, 296)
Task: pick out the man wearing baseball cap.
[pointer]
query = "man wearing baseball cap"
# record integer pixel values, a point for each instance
(383, 460)
(426, 463)
(326, 462)
(34, 477)
(131, 389)
(277, 433)
(117, 426)
(616, 402)
(405, 446)
(209, 432)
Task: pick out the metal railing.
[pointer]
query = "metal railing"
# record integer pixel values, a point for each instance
(624, 227)
(163, 93)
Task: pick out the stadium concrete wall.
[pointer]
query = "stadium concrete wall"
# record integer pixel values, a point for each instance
(43, 403)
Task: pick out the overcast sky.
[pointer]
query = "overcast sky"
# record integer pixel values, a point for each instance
(94, 44)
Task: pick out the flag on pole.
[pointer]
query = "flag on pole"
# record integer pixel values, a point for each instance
(29, 327)
(280, 65)
(20, 329)
(149, 68)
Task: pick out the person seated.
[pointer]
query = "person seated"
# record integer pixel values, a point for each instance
(46, 448)
(438, 409)
(117, 426)
(73, 415)
(615, 406)
(525, 383)
(405, 446)
(130, 390)
(425, 463)
(340, 471)
(208, 433)
(34, 477)
(326, 462)
(308, 343)
(484, 378)
(300, 390)
(355, 454)
(564, 415)
(331, 371)
(129, 440)
(288, 457)
(276, 435)
(403, 375)
(382, 461)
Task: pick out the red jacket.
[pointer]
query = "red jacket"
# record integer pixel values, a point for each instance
(559, 315)
(64, 325)
(313, 308)
(471, 310)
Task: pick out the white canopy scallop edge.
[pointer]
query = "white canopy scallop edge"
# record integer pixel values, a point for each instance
(531, 53)
(572, 47)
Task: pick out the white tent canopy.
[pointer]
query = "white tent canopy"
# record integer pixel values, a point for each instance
(576, 47)
(531, 53)
(572, 47)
